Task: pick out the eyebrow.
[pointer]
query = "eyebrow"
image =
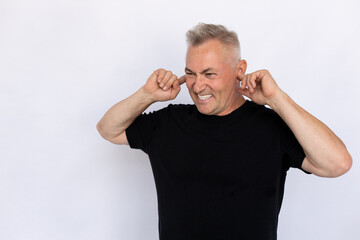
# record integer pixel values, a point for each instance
(203, 72)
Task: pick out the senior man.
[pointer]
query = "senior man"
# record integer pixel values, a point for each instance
(220, 164)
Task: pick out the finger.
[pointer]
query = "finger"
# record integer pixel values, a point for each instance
(176, 89)
(247, 81)
(170, 82)
(253, 80)
(160, 74)
(182, 80)
(166, 78)
(250, 86)
(153, 76)
(239, 77)
(176, 85)
(243, 82)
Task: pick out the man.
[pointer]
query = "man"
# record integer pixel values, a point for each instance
(220, 165)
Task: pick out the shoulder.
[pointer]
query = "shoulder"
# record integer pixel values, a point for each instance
(265, 119)
(175, 107)
(180, 109)
(171, 111)
(261, 112)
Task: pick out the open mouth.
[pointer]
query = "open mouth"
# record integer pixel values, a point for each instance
(204, 97)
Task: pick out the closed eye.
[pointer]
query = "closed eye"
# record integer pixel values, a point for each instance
(210, 75)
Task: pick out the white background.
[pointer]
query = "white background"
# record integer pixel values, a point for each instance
(64, 63)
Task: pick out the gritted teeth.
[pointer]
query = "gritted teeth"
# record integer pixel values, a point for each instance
(204, 97)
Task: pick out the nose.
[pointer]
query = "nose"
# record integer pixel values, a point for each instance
(199, 84)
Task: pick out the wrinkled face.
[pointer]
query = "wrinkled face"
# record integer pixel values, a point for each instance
(211, 78)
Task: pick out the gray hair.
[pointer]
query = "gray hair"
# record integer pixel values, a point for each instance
(204, 32)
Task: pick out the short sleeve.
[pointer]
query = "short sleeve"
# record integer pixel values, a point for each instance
(140, 133)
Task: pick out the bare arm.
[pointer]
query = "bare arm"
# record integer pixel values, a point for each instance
(162, 85)
(120, 116)
(326, 154)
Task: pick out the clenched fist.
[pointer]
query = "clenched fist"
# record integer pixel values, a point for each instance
(163, 85)
(259, 86)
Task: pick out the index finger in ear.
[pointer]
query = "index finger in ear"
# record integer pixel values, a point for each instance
(182, 80)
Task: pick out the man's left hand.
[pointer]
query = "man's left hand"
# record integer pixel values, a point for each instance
(259, 86)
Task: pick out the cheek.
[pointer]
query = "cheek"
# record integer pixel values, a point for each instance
(189, 83)
(225, 85)
(215, 85)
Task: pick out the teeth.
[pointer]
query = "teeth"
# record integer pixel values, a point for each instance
(204, 97)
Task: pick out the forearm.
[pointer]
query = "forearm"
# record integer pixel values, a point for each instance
(120, 116)
(322, 147)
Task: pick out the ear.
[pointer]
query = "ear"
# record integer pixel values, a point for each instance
(241, 68)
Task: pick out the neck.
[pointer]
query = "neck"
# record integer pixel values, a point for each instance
(238, 102)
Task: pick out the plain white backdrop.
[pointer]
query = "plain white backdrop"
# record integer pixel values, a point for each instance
(64, 63)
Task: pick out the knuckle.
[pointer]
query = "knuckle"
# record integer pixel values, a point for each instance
(168, 75)
(159, 71)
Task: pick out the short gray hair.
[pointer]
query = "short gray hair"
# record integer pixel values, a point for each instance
(204, 32)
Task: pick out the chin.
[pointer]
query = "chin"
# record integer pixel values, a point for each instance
(204, 110)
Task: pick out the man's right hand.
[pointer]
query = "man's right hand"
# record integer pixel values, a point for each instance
(163, 85)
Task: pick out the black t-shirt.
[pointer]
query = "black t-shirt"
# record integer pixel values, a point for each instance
(217, 177)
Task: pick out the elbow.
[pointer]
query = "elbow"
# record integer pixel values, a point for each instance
(347, 163)
(100, 129)
(98, 126)
(109, 136)
(343, 165)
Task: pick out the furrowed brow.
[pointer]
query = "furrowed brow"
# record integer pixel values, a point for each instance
(203, 72)
(188, 70)
(207, 70)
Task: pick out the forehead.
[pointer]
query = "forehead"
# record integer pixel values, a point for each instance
(211, 54)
